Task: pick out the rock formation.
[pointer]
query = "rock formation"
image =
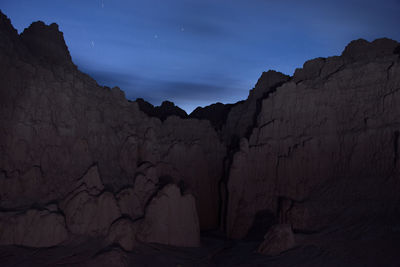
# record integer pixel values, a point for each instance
(324, 147)
(215, 113)
(166, 109)
(243, 115)
(171, 218)
(90, 215)
(317, 152)
(67, 140)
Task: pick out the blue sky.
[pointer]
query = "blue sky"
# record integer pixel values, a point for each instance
(198, 52)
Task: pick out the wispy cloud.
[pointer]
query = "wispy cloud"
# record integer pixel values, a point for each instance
(187, 94)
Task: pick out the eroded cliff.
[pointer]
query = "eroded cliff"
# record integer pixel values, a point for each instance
(58, 126)
(310, 154)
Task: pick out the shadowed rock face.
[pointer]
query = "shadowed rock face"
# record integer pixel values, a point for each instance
(362, 50)
(317, 152)
(243, 115)
(215, 113)
(324, 148)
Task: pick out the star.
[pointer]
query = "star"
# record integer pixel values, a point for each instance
(92, 43)
(182, 29)
(102, 4)
(155, 36)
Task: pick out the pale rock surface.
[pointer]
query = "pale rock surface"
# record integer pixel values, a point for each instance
(277, 240)
(33, 228)
(171, 219)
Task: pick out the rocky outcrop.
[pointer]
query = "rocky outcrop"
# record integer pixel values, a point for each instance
(163, 111)
(171, 218)
(243, 115)
(46, 43)
(277, 240)
(362, 50)
(215, 113)
(324, 148)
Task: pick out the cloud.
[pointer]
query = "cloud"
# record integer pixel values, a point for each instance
(187, 94)
(111, 78)
(184, 90)
(201, 27)
(204, 19)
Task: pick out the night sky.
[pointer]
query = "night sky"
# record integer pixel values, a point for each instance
(198, 52)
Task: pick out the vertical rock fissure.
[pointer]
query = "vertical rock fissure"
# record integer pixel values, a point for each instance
(396, 147)
(223, 183)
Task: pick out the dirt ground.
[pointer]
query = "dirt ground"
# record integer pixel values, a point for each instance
(328, 249)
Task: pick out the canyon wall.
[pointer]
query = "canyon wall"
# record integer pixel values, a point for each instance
(315, 151)
(323, 152)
